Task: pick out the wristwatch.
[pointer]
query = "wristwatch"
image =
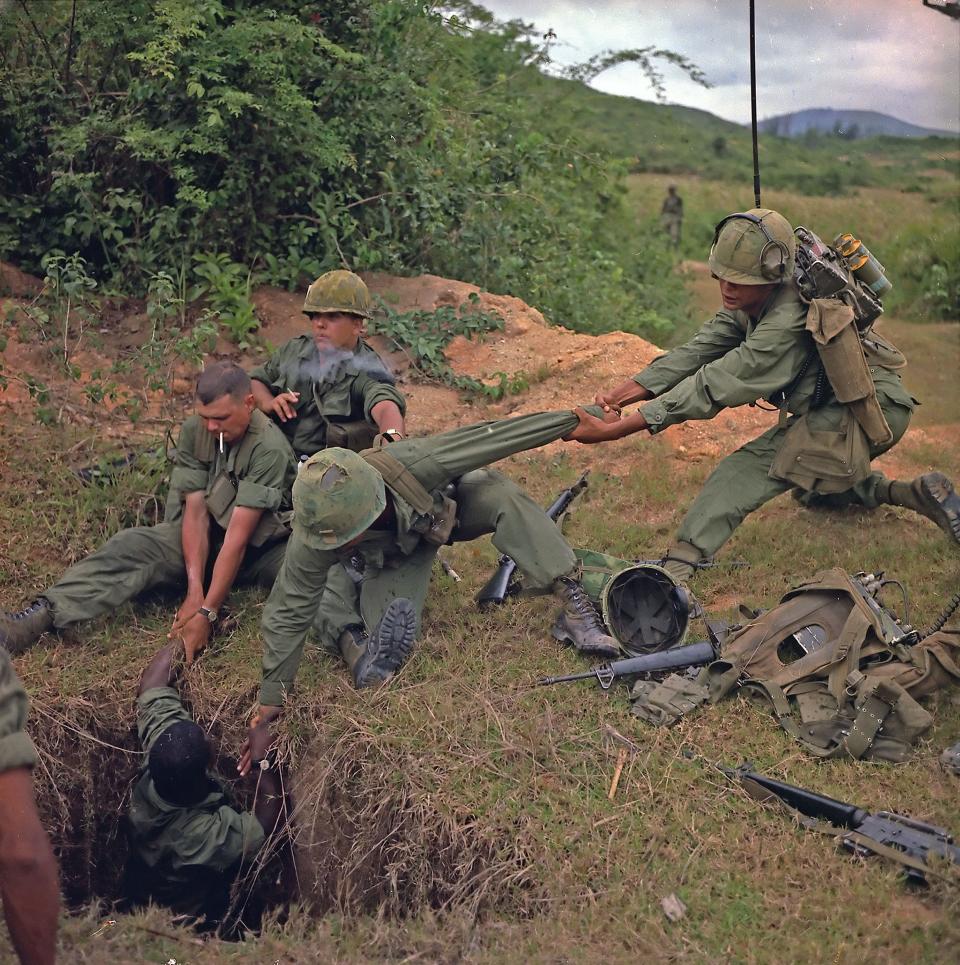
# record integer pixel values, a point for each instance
(392, 435)
(211, 615)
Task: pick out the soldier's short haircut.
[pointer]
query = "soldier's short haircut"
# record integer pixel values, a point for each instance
(222, 378)
(178, 763)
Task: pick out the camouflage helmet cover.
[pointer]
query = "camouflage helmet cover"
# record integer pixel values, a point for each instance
(337, 495)
(339, 291)
(755, 247)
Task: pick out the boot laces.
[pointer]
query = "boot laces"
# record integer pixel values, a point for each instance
(577, 597)
(29, 611)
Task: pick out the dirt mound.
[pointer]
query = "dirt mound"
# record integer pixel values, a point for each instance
(540, 366)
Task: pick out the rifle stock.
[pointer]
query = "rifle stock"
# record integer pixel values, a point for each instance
(499, 587)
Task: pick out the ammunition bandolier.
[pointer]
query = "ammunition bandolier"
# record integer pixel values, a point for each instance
(854, 693)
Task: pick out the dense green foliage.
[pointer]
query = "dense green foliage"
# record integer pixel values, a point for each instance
(189, 136)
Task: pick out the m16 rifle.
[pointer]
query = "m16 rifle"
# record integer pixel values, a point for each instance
(501, 584)
(890, 835)
(676, 658)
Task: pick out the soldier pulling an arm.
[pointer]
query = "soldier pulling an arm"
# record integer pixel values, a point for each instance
(758, 346)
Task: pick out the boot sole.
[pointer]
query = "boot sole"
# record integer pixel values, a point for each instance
(390, 644)
(944, 501)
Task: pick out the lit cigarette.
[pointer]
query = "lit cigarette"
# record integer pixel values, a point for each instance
(221, 443)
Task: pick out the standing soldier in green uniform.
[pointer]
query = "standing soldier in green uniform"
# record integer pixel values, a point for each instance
(330, 388)
(367, 529)
(188, 843)
(758, 346)
(671, 215)
(28, 871)
(229, 488)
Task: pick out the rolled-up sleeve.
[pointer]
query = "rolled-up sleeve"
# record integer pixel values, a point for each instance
(288, 616)
(374, 392)
(189, 474)
(16, 748)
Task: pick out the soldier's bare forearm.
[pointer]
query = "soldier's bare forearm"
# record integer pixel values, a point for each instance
(387, 415)
(28, 872)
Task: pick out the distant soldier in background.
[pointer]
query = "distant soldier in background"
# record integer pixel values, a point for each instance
(28, 870)
(330, 388)
(671, 215)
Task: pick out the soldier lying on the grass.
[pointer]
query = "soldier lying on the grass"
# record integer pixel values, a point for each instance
(28, 870)
(232, 475)
(188, 843)
(366, 531)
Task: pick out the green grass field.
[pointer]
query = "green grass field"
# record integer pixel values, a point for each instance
(473, 811)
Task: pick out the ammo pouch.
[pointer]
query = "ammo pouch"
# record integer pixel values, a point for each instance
(436, 512)
(836, 685)
(356, 436)
(822, 460)
(663, 703)
(831, 323)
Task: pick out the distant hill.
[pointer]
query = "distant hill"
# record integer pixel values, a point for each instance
(851, 124)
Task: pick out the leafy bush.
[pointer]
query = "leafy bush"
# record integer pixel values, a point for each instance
(189, 136)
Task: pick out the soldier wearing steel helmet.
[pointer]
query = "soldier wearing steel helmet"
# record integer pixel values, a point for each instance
(330, 388)
(366, 531)
(758, 347)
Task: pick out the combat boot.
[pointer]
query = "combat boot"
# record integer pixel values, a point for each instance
(931, 495)
(20, 631)
(375, 658)
(680, 561)
(579, 623)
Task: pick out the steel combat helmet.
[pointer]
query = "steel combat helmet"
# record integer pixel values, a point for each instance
(755, 247)
(336, 496)
(339, 291)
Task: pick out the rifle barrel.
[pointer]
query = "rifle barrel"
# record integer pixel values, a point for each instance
(811, 804)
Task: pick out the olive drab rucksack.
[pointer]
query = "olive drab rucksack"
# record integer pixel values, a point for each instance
(842, 676)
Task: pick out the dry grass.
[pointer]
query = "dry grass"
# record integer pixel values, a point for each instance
(461, 815)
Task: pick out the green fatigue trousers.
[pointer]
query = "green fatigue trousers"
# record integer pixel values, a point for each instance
(138, 559)
(487, 502)
(741, 484)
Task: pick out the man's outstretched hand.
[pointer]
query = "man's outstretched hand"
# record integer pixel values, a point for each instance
(590, 429)
(194, 631)
(259, 739)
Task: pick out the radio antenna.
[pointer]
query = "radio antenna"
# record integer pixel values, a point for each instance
(753, 105)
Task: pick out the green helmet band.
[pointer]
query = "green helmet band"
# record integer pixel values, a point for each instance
(755, 247)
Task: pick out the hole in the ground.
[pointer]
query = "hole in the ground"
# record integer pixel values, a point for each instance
(366, 838)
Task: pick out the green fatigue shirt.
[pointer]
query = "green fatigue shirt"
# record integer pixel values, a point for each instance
(672, 206)
(434, 461)
(260, 469)
(16, 748)
(345, 390)
(186, 849)
(734, 360)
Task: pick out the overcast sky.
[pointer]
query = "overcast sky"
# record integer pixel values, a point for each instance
(894, 56)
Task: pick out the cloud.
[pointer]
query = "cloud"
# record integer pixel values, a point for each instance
(895, 56)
